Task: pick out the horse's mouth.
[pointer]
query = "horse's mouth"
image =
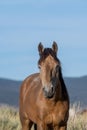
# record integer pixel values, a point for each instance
(49, 95)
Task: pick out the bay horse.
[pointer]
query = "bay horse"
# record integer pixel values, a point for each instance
(44, 99)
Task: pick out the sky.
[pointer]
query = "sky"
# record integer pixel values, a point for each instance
(25, 23)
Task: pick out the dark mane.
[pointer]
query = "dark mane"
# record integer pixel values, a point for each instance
(46, 53)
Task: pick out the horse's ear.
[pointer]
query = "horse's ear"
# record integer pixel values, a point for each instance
(55, 47)
(40, 48)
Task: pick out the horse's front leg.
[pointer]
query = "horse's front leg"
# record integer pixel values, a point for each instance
(42, 126)
(56, 128)
(60, 128)
(63, 128)
(26, 124)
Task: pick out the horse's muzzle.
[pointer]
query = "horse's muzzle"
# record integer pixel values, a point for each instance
(49, 92)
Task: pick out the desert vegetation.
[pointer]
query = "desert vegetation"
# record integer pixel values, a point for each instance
(9, 118)
(77, 118)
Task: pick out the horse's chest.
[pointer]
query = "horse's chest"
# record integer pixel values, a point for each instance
(56, 115)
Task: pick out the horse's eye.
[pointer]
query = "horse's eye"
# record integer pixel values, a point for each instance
(39, 66)
(57, 68)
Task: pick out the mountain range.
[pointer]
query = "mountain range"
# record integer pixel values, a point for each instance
(77, 89)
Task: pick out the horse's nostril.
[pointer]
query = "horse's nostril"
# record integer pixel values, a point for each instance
(52, 89)
(44, 89)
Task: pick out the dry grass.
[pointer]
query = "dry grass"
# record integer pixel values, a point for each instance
(9, 119)
(77, 121)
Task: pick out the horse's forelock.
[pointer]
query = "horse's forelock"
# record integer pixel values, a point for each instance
(46, 53)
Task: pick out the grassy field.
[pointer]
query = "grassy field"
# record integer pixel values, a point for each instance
(9, 119)
(77, 120)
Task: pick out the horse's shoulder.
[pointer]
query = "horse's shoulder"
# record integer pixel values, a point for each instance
(30, 79)
(29, 82)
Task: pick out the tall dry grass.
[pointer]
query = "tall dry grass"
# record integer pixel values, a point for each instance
(77, 120)
(9, 118)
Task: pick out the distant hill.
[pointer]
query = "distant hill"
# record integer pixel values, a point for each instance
(9, 91)
(77, 88)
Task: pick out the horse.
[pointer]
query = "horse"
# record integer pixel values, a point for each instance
(44, 99)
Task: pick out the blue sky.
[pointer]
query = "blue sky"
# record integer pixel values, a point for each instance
(25, 23)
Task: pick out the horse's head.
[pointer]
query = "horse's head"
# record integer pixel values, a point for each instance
(50, 67)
